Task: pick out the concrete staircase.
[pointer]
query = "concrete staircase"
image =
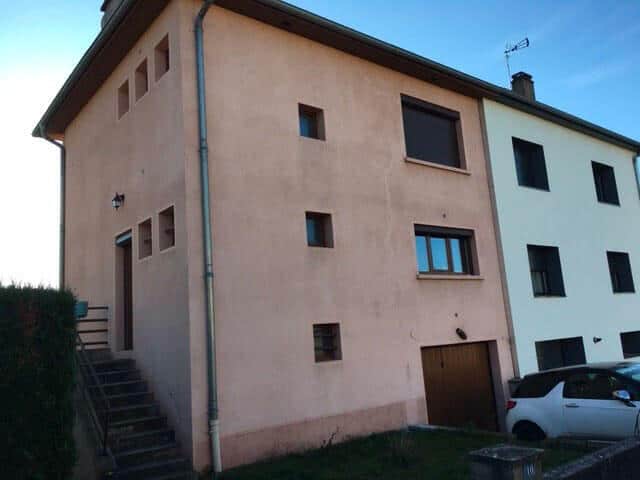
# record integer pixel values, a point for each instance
(139, 440)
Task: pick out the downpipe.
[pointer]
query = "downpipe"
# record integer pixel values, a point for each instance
(203, 150)
(63, 201)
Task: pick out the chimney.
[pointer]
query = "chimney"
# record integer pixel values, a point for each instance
(522, 84)
(108, 7)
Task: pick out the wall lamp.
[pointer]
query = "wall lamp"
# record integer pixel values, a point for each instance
(597, 339)
(461, 333)
(117, 201)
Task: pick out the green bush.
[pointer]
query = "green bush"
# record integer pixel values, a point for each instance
(37, 345)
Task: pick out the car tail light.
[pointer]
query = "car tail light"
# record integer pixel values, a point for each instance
(511, 404)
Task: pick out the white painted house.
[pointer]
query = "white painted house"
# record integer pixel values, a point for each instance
(568, 212)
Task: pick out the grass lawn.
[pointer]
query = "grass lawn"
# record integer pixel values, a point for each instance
(396, 455)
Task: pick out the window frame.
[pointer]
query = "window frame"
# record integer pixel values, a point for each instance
(602, 192)
(629, 286)
(467, 249)
(561, 341)
(519, 173)
(561, 292)
(439, 111)
(325, 222)
(335, 349)
(626, 353)
(317, 118)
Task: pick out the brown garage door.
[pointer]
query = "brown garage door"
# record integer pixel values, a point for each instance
(459, 387)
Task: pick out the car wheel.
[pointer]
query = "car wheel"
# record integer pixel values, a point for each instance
(528, 431)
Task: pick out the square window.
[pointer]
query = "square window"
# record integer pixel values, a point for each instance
(620, 270)
(562, 352)
(530, 164)
(162, 58)
(605, 181)
(546, 271)
(432, 133)
(444, 250)
(319, 230)
(166, 222)
(311, 122)
(326, 342)
(630, 344)
(142, 80)
(144, 239)
(123, 99)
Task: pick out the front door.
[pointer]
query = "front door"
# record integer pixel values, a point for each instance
(590, 411)
(124, 286)
(459, 386)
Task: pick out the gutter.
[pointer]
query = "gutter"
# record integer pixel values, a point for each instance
(63, 202)
(207, 241)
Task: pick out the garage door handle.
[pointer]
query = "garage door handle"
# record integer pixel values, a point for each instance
(571, 405)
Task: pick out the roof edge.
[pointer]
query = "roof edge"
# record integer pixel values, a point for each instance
(40, 130)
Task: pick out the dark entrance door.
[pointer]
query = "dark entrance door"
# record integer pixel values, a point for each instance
(125, 287)
(459, 386)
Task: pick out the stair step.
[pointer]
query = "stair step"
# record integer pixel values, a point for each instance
(133, 421)
(117, 384)
(154, 465)
(125, 395)
(142, 451)
(130, 407)
(148, 433)
(186, 475)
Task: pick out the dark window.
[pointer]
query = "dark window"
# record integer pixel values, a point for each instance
(530, 164)
(142, 80)
(605, 180)
(630, 344)
(326, 342)
(596, 386)
(319, 230)
(563, 352)
(620, 270)
(546, 271)
(537, 386)
(311, 122)
(166, 220)
(444, 250)
(432, 133)
(123, 99)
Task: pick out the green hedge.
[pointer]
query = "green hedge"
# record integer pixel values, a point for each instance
(37, 342)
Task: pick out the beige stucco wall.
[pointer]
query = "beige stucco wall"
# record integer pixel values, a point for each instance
(142, 156)
(271, 288)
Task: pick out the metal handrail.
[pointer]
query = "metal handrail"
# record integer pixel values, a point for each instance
(86, 369)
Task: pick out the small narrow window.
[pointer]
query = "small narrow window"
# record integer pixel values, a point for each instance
(444, 250)
(620, 270)
(311, 122)
(432, 133)
(605, 182)
(144, 239)
(562, 352)
(162, 58)
(546, 271)
(530, 164)
(319, 230)
(123, 99)
(326, 342)
(630, 344)
(166, 222)
(142, 80)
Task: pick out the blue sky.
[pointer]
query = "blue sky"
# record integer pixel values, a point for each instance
(584, 58)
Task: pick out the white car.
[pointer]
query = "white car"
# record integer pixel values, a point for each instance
(596, 401)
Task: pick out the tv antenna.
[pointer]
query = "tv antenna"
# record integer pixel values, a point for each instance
(510, 49)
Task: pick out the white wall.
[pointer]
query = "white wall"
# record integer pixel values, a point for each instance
(568, 217)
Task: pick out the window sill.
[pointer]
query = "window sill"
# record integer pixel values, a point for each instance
(439, 276)
(447, 168)
(549, 296)
(611, 204)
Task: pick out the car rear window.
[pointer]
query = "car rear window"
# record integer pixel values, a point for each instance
(536, 386)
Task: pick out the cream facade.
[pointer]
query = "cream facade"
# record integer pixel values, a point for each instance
(570, 217)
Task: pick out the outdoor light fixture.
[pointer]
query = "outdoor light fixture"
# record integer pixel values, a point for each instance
(597, 339)
(461, 333)
(117, 201)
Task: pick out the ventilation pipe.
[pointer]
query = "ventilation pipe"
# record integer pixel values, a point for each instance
(203, 150)
(63, 195)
